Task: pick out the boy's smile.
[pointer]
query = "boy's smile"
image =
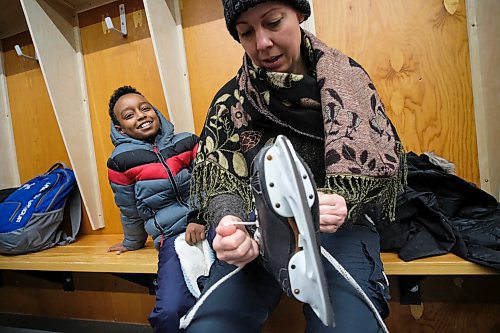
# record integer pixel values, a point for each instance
(136, 116)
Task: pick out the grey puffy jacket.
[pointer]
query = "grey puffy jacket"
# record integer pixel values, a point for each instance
(151, 181)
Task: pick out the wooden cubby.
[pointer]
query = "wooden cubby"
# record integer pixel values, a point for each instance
(434, 62)
(79, 65)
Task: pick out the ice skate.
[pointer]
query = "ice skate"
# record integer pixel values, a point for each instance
(287, 208)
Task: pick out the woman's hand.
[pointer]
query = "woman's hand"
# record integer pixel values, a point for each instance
(194, 233)
(233, 243)
(119, 248)
(332, 212)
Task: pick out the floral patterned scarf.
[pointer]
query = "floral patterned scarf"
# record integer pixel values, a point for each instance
(335, 105)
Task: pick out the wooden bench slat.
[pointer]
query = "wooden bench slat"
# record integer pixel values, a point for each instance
(447, 264)
(89, 254)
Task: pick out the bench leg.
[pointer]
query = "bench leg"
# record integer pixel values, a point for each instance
(409, 294)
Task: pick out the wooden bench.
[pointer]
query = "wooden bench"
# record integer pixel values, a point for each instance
(89, 254)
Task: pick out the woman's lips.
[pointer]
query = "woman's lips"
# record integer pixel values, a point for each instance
(272, 62)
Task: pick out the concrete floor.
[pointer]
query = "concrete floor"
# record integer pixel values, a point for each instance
(15, 323)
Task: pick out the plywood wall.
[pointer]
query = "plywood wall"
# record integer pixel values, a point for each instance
(112, 61)
(213, 57)
(415, 51)
(37, 137)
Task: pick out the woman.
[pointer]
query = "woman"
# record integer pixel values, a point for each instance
(290, 83)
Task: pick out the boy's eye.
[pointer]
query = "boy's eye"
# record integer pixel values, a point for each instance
(146, 108)
(128, 116)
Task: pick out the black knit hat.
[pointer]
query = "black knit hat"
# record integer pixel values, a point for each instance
(234, 8)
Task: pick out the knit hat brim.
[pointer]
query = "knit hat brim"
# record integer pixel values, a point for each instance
(234, 8)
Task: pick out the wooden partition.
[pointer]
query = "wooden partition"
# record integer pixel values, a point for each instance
(484, 41)
(112, 61)
(10, 176)
(166, 32)
(57, 44)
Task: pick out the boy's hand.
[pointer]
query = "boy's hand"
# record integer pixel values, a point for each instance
(194, 233)
(119, 248)
(233, 244)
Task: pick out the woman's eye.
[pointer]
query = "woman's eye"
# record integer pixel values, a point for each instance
(246, 33)
(274, 23)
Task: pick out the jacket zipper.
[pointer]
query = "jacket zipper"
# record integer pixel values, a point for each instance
(160, 229)
(170, 176)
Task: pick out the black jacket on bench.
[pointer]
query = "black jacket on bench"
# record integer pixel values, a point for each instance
(440, 213)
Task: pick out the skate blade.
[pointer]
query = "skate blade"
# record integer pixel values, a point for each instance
(292, 195)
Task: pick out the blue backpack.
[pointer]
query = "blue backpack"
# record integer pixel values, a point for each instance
(31, 217)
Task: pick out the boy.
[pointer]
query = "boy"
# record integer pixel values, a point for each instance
(149, 172)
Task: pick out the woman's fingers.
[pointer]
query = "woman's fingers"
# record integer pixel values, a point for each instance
(234, 245)
(328, 228)
(331, 220)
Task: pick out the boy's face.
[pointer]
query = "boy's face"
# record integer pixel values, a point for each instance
(136, 116)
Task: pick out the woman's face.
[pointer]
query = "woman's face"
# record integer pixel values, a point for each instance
(270, 35)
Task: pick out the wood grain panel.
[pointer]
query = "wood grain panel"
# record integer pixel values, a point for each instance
(112, 61)
(213, 57)
(38, 140)
(417, 53)
(96, 297)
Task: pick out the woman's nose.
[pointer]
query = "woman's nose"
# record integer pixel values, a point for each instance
(262, 40)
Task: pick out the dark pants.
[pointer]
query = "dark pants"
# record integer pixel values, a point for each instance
(173, 298)
(244, 302)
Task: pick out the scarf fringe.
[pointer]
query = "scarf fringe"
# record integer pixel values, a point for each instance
(210, 180)
(361, 192)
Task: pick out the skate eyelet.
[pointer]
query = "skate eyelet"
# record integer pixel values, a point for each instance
(311, 196)
(269, 157)
(271, 184)
(277, 205)
(296, 291)
(304, 176)
(292, 267)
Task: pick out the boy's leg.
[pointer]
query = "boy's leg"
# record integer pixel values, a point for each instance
(173, 298)
(239, 305)
(356, 248)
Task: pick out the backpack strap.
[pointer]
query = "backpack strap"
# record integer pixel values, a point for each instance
(75, 215)
(56, 165)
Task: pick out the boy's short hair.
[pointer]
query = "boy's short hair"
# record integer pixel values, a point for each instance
(124, 90)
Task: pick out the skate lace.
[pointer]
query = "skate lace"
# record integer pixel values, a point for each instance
(345, 274)
(185, 321)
